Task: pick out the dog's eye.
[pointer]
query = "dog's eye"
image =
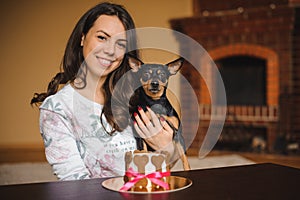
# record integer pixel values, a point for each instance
(162, 77)
(146, 76)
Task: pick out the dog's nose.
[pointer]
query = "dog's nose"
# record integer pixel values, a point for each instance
(154, 84)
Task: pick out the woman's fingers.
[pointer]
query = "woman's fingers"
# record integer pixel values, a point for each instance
(148, 123)
(140, 126)
(165, 125)
(138, 130)
(144, 117)
(154, 118)
(155, 130)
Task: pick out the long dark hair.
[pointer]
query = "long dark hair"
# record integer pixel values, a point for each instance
(73, 59)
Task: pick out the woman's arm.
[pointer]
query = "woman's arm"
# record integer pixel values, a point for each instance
(61, 147)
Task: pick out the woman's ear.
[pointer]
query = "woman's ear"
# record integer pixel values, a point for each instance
(82, 39)
(134, 63)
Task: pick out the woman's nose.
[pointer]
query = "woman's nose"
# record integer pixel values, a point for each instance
(109, 48)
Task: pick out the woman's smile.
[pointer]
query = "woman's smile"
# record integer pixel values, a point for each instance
(104, 62)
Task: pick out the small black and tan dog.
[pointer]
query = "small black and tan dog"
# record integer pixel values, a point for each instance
(152, 92)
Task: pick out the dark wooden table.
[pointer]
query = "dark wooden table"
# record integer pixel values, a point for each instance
(259, 181)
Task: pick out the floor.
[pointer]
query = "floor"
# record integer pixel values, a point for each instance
(286, 160)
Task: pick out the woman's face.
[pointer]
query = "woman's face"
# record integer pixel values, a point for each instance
(104, 46)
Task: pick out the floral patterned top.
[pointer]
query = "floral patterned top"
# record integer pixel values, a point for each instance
(76, 144)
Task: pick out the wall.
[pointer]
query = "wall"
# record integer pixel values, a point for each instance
(267, 32)
(33, 36)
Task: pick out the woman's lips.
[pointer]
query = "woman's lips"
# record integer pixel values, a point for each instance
(104, 62)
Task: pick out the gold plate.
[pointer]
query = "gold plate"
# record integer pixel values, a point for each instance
(176, 183)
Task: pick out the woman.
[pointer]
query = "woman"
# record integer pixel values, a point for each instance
(83, 138)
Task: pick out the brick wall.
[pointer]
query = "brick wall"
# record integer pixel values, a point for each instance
(266, 31)
(201, 6)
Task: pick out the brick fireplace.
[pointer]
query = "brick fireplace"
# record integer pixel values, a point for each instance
(257, 32)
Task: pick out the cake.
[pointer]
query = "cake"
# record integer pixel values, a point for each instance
(147, 163)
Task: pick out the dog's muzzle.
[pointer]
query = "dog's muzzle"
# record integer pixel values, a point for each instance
(154, 86)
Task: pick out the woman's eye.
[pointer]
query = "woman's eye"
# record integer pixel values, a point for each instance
(100, 37)
(121, 45)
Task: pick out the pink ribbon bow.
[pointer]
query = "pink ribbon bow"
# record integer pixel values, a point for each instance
(153, 177)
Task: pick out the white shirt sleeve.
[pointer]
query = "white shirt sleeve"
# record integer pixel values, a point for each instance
(61, 147)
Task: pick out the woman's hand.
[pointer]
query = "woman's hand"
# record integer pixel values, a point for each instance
(155, 131)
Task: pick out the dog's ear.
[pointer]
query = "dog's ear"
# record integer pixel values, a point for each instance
(134, 63)
(175, 65)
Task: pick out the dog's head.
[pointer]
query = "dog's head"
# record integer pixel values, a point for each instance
(154, 77)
